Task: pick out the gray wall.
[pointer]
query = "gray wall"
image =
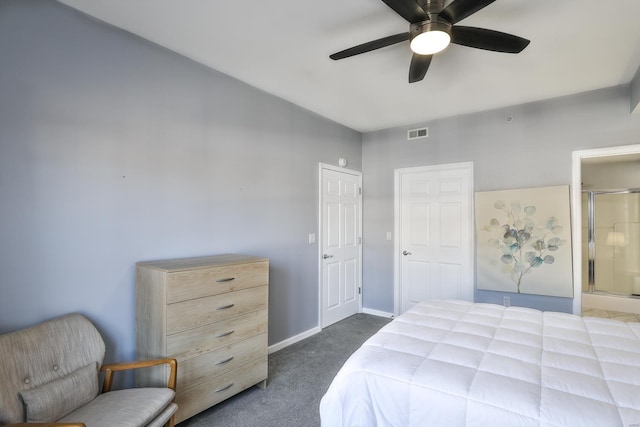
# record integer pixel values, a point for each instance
(533, 150)
(114, 150)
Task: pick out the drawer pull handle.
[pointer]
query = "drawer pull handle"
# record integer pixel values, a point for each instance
(222, 362)
(224, 334)
(224, 307)
(221, 389)
(228, 279)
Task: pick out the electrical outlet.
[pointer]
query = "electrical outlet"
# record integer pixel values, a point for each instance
(506, 301)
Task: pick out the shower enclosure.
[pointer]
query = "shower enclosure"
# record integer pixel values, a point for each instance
(611, 242)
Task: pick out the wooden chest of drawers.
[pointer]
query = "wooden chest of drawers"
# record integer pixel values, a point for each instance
(210, 313)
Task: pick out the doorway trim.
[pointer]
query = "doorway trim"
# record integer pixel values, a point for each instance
(576, 212)
(398, 173)
(322, 167)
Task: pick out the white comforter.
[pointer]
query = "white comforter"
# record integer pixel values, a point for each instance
(455, 363)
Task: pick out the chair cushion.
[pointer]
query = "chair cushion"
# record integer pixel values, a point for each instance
(164, 417)
(134, 407)
(53, 400)
(43, 353)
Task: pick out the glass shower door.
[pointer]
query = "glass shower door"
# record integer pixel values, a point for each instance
(617, 242)
(626, 257)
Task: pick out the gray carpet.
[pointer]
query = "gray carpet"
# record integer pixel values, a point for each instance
(299, 375)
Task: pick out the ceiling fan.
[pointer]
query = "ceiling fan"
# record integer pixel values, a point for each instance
(433, 28)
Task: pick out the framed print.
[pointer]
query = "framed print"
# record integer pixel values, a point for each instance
(524, 241)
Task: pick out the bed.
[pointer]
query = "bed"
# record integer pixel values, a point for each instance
(456, 363)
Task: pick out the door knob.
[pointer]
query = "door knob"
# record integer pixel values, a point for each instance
(325, 256)
(405, 253)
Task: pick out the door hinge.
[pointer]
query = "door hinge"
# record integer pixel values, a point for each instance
(359, 290)
(360, 191)
(359, 240)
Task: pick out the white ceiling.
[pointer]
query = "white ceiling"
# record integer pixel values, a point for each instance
(283, 47)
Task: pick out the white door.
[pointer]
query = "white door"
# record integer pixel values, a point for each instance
(434, 229)
(340, 245)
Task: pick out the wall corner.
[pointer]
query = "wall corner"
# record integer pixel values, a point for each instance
(634, 91)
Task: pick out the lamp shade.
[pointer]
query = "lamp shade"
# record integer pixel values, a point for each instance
(616, 238)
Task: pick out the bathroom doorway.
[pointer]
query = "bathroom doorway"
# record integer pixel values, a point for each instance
(606, 222)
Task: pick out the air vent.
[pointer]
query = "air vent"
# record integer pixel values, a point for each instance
(417, 133)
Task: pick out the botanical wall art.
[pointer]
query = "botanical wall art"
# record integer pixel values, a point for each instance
(524, 241)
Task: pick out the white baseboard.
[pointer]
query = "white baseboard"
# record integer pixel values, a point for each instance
(289, 341)
(377, 313)
(286, 343)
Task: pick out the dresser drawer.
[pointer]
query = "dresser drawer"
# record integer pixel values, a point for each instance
(194, 342)
(204, 368)
(187, 315)
(220, 388)
(187, 285)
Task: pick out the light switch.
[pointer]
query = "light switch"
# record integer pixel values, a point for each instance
(312, 238)
(388, 235)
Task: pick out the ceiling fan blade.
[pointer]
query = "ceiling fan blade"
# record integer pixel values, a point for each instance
(419, 66)
(460, 9)
(481, 38)
(408, 9)
(369, 46)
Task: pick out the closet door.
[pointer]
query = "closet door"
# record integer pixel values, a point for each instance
(434, 222)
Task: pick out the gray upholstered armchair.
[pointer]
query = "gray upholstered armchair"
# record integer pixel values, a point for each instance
(49, 374)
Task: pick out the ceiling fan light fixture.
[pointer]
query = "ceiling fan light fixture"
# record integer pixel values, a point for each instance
(430, 37)
(433, 27)
(430, 42)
